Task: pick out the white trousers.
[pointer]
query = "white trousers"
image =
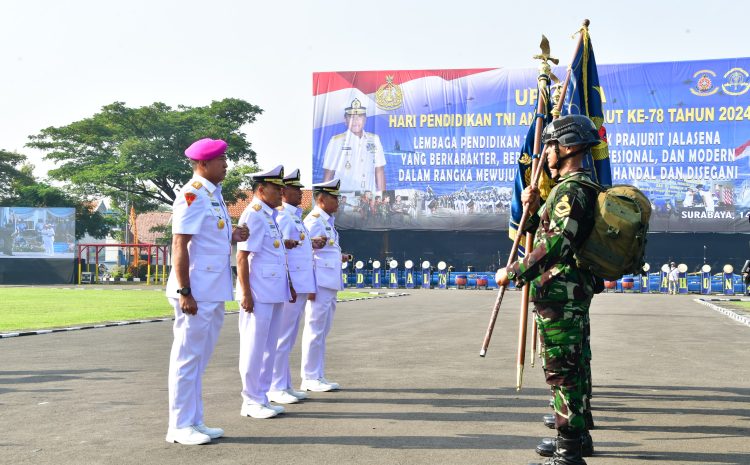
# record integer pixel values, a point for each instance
(259, 333)
(289, 325)
(318, 321)
(195, 337)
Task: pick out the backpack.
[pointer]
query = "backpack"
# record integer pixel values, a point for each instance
(617, 243)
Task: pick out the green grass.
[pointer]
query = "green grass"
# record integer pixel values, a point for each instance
(38, 307)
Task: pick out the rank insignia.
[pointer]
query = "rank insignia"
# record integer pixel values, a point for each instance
(257, 207)
(371, 147)
(315, 215)
(197, 184)
(302, 236)
(562, 209)
(221, 223)
(331, 242)
(190, 198)
(276, 243)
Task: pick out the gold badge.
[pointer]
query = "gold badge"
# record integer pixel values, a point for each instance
(389, 95)
(257, 207)
(197, 185)
(302, 236)
(221, 223)
(276, 243)
(562, 209)
(315, 215)
(525, 159)
(331, 242)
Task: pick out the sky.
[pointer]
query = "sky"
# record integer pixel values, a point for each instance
(63, 61)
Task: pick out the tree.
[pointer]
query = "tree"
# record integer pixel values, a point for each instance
(8, 172)
(139, 151)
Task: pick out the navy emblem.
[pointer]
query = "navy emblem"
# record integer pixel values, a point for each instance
(704, 85)
(736, 82)
(389, 95)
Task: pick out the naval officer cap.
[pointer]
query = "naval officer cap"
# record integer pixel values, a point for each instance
(355, 108)
(329, 187)
(206, 149)
(293, 179)
(274, 176)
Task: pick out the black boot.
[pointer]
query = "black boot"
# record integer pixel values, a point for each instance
(567, 452)
(589, 419)
(549, 420)
(547, 447)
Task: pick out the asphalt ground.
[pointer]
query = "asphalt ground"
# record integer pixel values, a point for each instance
(671, 386)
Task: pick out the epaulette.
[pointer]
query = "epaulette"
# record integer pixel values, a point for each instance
(339, 136)
(197, 185)
(257, 207)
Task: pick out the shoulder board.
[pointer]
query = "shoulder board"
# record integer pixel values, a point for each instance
(339, 136)
(257, 207)
(315, 215)
(197, 185)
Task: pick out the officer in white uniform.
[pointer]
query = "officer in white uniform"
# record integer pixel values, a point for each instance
(320, 309)
(301, 270)
(199, 283)
(262, 288)
(355, 157)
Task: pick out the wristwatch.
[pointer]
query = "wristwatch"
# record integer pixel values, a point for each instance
(511, 275)
(184, 291)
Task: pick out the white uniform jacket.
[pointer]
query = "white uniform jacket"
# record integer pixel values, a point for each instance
(300, 258)
(354, 160)
(269, 281)
(327, 259)
(199, 210)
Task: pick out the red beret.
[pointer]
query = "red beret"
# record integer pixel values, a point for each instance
(206, 149)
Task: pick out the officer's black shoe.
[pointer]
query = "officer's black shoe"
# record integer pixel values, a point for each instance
(567, 452)
(549, 420)
(546, 448)
(589, 419)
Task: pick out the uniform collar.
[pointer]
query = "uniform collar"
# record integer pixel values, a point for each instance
(296, 211)
(323, 214)
(581, 172)
(350, 135)
(210, 187)
(257, 201)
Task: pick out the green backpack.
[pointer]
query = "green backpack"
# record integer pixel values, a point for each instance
(617, 243)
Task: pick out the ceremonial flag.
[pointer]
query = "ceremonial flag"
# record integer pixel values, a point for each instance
(585, 97)
(523, 174)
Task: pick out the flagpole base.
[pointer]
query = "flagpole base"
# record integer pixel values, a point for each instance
(519, 378)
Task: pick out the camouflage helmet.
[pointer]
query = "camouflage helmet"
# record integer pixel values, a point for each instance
(570, 130)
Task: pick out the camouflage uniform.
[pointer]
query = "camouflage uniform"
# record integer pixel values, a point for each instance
(562, 293)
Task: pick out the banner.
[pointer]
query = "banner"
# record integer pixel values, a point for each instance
(438, 149)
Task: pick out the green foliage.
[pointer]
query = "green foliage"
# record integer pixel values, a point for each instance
(117, 271)
(140, 150)
(138, 269)
(165, 231)
(9, 174)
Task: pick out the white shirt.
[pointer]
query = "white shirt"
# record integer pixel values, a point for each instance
(199, 211)
(708, 200)
(674, 274)
(354, 159)
(269, 281)
(300, 258)
(688, 202)
(328, 258)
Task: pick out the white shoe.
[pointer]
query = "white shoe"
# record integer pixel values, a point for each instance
(213, 433)
(298, 394)
(277, 408)
(315, 385)
(257, 411)
(333, 385)
(282, 397)
(189, 436)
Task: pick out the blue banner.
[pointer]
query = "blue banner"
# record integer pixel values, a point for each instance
(438, 149)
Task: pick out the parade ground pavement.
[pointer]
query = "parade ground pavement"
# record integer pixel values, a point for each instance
(671, 386)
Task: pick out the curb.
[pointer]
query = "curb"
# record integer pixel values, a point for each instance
(155, 320)
(743, 319)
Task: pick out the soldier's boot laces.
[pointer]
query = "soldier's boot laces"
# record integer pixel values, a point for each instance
(567, 452)
(548, 445)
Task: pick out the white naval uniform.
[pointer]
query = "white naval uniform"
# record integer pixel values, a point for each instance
(354, 160)
(210, 274)
(319, 313)
(269, 286)
(302, 273)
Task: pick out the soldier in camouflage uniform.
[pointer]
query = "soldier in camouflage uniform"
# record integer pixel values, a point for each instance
(562, 292)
